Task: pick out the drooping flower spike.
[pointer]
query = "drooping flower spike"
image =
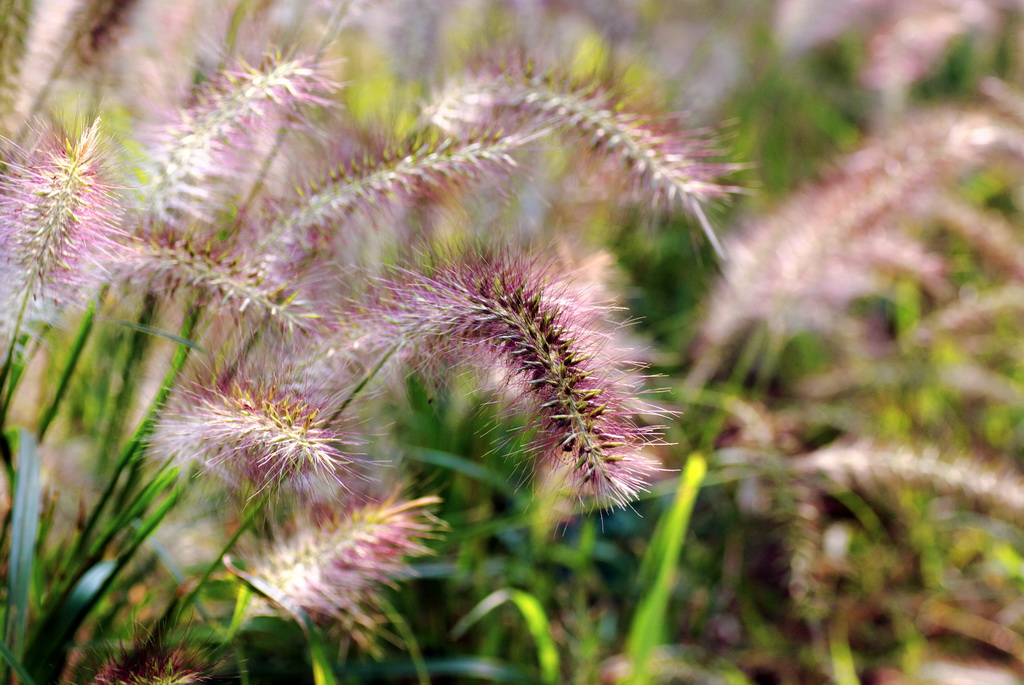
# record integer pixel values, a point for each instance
(505, 314)
(670, 165)
(424, 166)
(197, 152)
(217, 276)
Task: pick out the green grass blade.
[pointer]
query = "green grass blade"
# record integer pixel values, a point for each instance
(844, 671)
(663, 559)
(323, 666)
(442, 670)
(536, 621)
(49, 650)
(70, 364)
(24, 530)
(23, 677)
(52, 636)
(412, 645)
(464, 466)
(155, 332)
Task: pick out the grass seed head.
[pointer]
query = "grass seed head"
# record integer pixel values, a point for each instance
(507, 316)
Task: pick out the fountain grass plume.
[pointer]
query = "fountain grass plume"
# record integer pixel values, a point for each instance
(507, 315)
(841, 239)
(335, 566)
(194, 153)
(149, 663)
(60, 212)
(217, 275)
(669, 165)
(427, 165)
(259, 426)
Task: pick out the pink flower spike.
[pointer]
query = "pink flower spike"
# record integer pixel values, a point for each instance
(258, 433)
(334, 568)
(60, 210)
(199, 151)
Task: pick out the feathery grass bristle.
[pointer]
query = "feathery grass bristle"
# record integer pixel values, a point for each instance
(150, 664)
(424, 166)
(200, 150)
(668, 165)
(216, 275)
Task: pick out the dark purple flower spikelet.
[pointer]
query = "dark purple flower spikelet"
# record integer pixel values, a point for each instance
(259, 428)
(334, 567)
(60, 215)
(221, 277)
(151, 664)
(505, 314)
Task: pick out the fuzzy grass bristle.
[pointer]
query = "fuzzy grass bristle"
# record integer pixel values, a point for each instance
(61, 212)
(217, 275)
(425, 166)
(151, 664)
(198, 151)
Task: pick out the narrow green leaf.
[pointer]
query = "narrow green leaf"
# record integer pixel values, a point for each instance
(663, 557)
(442, 670)
(409, 637)
(844, 672)
(52, 637)
(323, 666)
(74, 355)
(536, 621)
(23, 677)
(464, 466)
(540, 628)
(142, 328)
(49, 650)
(24, 529)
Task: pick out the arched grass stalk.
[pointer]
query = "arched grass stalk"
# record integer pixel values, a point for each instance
(420, 168)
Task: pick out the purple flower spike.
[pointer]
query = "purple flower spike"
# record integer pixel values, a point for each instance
(334, 568)
(544, 340)
(258, 433)
(220, 277)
